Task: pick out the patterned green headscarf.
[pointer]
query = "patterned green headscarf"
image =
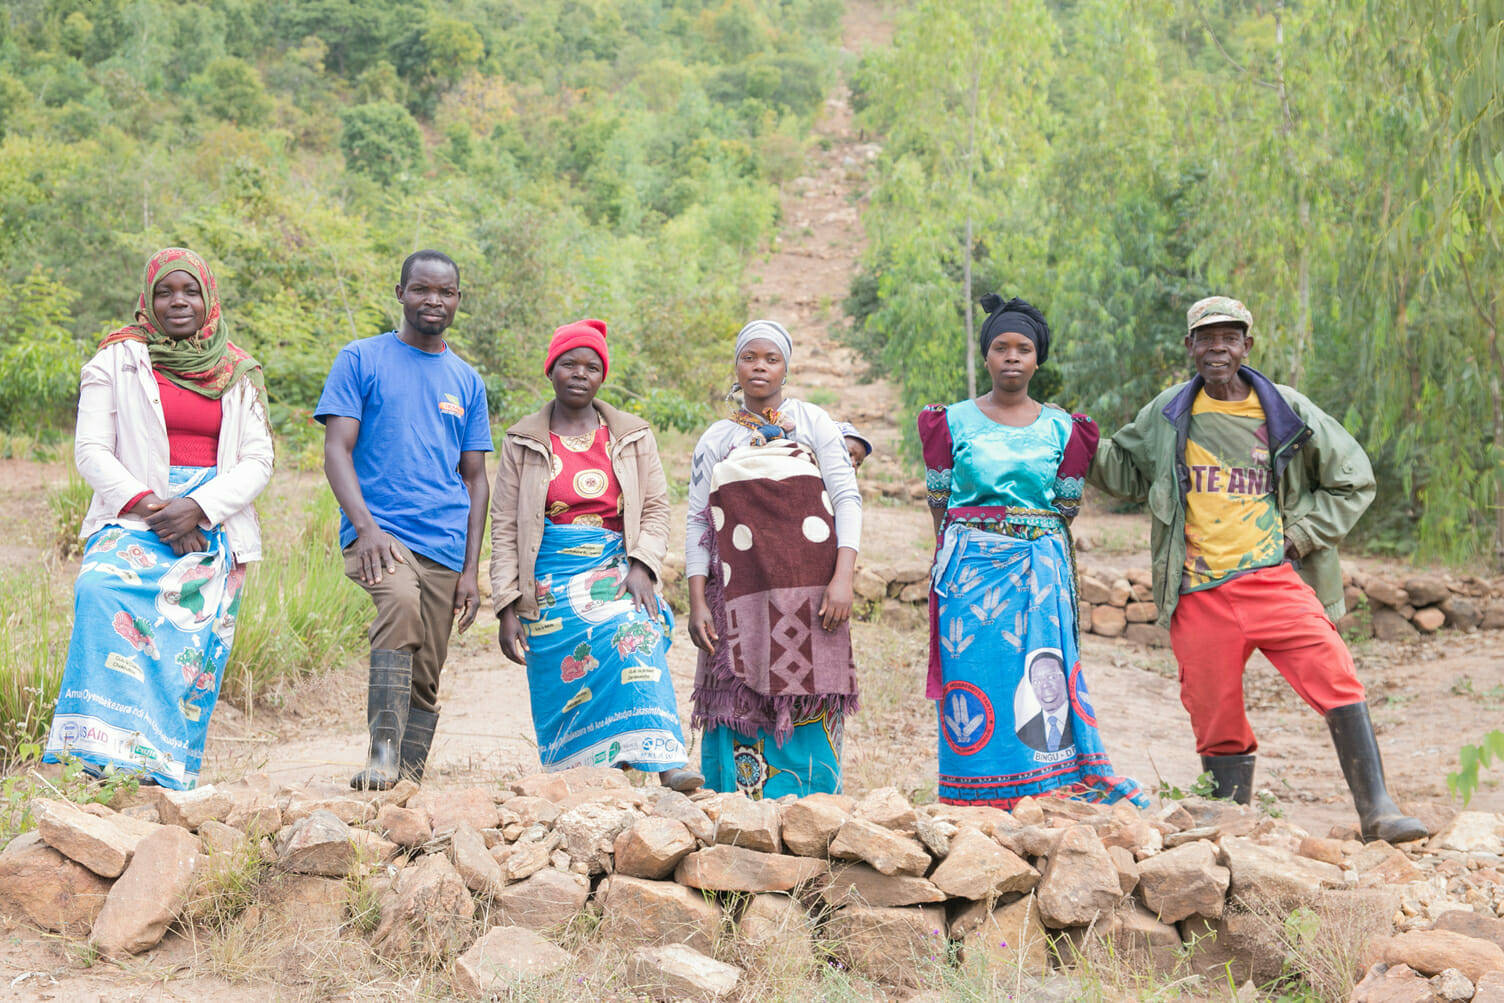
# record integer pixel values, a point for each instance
(206, 362)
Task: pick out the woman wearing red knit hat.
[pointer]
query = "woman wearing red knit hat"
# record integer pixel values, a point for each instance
(579, 527)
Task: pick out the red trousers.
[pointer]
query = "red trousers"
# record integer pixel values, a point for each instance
(1213, 632)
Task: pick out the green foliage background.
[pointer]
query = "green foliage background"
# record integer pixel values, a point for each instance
(1337, 166)
(611, 158)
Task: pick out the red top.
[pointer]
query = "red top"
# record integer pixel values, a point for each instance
(192, 428)
(584, 490)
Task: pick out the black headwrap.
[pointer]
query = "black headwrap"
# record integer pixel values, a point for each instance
(1016, 316)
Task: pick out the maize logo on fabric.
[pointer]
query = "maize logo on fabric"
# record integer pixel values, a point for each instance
(583, 696)
(451, 405)
(641, 674)
(125, 665)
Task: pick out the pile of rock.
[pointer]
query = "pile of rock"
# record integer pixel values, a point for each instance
(1401, 609)
(475, 881)
(1120, 603)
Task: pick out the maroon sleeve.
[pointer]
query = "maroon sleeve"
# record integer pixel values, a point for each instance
(132, 503)
(1081, 447)
(935, 444)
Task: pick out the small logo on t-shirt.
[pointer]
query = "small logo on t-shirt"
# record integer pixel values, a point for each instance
(451, 405)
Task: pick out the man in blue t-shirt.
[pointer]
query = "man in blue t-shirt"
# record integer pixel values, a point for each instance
(405, 440)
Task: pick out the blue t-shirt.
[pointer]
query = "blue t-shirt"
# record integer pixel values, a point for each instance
(417, 411)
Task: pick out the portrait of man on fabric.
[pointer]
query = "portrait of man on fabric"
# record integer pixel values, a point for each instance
(1041, 708)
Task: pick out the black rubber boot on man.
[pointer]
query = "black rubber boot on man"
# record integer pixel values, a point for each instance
(1358, 752)
(1233, 776)
(387, 696)
(416, 741)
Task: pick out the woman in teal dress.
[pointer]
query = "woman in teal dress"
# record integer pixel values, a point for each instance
(1004, 474)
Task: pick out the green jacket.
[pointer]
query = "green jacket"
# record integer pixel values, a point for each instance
(1323, 481)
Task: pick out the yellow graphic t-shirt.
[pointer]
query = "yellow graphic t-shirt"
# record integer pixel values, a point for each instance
(1232, 524)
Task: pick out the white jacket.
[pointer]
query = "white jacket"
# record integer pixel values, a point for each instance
(120, 448)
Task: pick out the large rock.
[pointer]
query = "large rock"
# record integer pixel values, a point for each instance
(545, 901)
(888, 944)
(1266, 877)
(346, 807)
(319, 844)
(978, 868)
(859, 884)
(1080, 882)
(1108, 621)
(1385, 593)
(1489, 989)
(1388, 625)
(1003, 941)
(1142, 939)
(1472, 832)
(1185, 881)
(557, 786)
(652, 847)
(667, 803)
(427, 913)
(810, 823)
(589, 832)
(1240, 945)
(448, 810)
(1426, 590)
(189, 809)
(1394, 984)
(889, 809)
(522, 859)
(1462, 613)
(752, 824)
(637, 911)
(149, 895)
(506, 958)
(1381, 865)
(734, 869)
(677, 972)
(41, 886)
(1472, 924)
(778, 935)
(884, 849)
(407, 827)
(474, 862)
(1431, 952)
(984, 818)
(100, 844)
(256, 813)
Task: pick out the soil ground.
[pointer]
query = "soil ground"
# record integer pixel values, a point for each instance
(1428, 697)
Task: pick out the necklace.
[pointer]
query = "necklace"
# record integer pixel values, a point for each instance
(581, 443)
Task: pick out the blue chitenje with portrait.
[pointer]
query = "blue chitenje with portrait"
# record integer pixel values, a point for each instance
(1015, 718)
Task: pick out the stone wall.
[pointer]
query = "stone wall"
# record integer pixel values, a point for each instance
(1119, 603)
(475, 881)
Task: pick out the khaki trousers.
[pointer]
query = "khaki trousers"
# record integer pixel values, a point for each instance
(414, 612)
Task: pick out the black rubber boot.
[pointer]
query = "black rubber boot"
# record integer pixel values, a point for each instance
(682, 779)
(1358, 752)
(1233, 776)
(416, 741)
(387, 695)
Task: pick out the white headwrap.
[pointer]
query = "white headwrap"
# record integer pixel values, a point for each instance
(770, 330)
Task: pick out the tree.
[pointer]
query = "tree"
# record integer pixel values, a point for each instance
(382, 141)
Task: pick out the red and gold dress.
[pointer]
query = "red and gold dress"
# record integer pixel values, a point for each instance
(583, 490)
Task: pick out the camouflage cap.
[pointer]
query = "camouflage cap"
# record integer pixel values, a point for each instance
(1217, 310)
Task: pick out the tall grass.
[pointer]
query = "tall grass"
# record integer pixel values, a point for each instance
(34, 628)
(69, 504)
(300, 615)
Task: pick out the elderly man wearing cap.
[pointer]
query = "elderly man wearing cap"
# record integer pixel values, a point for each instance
(1251, 487)
(405, 440)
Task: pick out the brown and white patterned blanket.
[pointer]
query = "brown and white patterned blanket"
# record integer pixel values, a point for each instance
(773, 553)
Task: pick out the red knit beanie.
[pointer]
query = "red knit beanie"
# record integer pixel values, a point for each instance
(589, 334)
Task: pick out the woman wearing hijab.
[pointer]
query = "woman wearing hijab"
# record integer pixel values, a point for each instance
(579, 527)
(1004, 474)
(775, 519)
(173, 438)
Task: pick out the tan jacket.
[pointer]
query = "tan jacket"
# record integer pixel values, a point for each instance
(521, 494)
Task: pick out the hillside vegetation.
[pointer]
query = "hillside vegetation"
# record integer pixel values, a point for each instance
(1337, 166)
(612, 158)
